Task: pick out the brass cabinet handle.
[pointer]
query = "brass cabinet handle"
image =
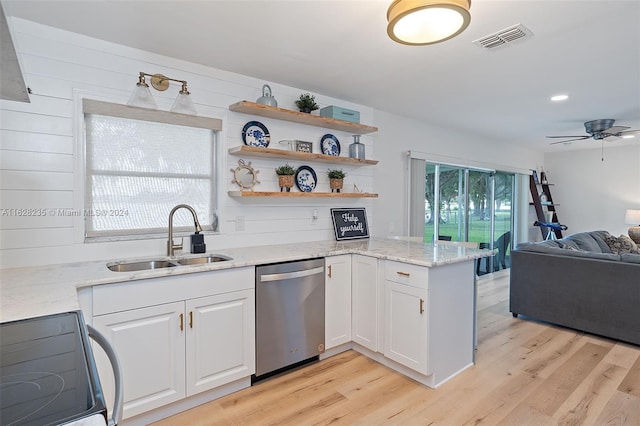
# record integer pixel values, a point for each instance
(421, 305)
(190, 319)
(329, 271)
(181, 322)
(404, 274)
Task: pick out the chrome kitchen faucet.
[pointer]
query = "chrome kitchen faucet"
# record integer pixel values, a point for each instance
(171, 247)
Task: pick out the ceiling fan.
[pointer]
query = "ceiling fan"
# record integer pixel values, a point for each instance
(598, 130)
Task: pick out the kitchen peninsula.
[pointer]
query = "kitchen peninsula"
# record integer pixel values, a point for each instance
(410, 305)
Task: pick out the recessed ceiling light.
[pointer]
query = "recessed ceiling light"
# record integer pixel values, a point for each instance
(559, 98)
(628, 136)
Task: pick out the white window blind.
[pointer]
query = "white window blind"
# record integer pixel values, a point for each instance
(138, 170)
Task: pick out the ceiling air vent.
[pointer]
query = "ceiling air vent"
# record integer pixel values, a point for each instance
(503, 37)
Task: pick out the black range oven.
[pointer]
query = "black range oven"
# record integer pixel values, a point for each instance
(48, 375)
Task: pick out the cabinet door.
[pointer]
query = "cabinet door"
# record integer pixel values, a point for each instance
(405, 337)
(337, 300)
(220, 339)
(364, 282)
(150, 347)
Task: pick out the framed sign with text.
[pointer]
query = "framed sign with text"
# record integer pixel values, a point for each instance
(302, 146)
(350, 224)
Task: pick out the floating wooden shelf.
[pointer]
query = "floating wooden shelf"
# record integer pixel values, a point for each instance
(256, 151)
(302, 194)
(247, 107)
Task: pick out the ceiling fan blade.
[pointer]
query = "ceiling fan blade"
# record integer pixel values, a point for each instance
(570, 140)
(630, 132)
(571, 136)
(616, 129)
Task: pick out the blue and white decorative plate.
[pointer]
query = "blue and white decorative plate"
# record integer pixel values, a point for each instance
(254, 133)
(330, 145)
(306, 179)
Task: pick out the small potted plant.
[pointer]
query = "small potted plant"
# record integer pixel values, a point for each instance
(307, 103)
(285, 177)
(336, 179)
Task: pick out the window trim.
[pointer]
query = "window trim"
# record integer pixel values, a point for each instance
(91, 106)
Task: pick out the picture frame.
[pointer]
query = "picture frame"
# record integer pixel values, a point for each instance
(349, 224)
(303, 146)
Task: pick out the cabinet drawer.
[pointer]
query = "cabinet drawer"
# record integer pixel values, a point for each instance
(405, 273)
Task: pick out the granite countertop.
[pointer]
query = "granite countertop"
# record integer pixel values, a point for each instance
(41, 290)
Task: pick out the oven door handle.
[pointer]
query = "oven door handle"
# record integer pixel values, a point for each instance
(117, 372)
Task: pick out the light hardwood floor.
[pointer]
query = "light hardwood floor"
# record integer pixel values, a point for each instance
(527, 373)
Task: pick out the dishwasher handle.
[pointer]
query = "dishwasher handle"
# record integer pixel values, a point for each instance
(117, 372)
(290, 275)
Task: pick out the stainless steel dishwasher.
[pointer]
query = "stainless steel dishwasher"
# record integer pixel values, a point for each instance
(289, 315)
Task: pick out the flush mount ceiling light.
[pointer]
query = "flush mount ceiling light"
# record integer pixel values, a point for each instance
(559, 98)
(421, 22)
(141, 95)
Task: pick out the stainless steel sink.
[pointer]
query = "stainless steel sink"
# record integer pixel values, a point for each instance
(165, 263)
(212, 258)
(141, 266)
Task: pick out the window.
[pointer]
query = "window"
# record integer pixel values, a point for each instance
(140, 164)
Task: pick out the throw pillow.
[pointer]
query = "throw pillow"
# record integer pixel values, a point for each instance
(621, 244)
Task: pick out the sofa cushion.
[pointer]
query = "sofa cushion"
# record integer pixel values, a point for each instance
(569, 245)
(599, 237)
(630, 258)
(565, 251)
(540, 246)
(621, 244)
(585, 241)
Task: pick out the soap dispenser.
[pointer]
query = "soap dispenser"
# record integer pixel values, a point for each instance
(197, 243)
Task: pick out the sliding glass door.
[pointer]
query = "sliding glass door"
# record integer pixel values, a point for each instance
(465, 204)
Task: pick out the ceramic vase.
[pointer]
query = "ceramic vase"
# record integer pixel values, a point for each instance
(356, 149)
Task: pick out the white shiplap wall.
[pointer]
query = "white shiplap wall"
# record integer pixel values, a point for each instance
(41, 149)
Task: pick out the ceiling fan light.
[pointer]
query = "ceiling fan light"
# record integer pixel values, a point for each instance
(422, 22)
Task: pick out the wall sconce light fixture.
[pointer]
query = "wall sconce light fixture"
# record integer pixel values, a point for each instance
(141, 96)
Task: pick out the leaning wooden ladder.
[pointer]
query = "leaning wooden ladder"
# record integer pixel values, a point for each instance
(550, 227)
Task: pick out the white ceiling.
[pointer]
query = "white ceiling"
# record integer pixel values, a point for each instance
(587, 49)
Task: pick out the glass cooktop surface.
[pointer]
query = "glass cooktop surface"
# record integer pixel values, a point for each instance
(47, 374)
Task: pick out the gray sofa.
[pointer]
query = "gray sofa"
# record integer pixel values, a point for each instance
(579, 282)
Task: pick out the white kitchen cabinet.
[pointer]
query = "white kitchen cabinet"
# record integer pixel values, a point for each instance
(428, 317)
(405, 335)
(177, 336)
(150, 347)
(220, 340)
(337, 300)
(364, 303)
